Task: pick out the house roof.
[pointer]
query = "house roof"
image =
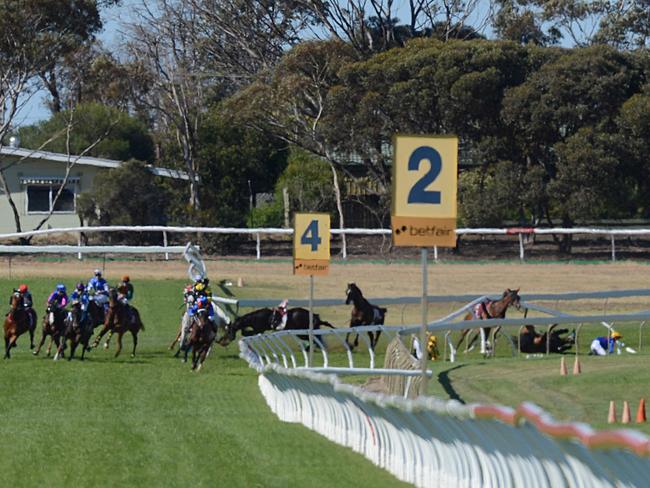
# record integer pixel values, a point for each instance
(85, 161)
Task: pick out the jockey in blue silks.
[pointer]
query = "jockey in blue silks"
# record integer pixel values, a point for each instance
(80, 295)
(203, 302)
(98, 289)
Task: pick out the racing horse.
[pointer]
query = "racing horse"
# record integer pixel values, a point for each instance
(201, 338)
(120, 318)
(490, 310)
(77, 331)
(264, 319)
(17, 322)
(53, 325)
(363, 313)
(221, 321)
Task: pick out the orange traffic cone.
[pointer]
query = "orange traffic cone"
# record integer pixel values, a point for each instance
(576, 366)
(625, 418)
(611, 417)
(563, 371)
(640, 413)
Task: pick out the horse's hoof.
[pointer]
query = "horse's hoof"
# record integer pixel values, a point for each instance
(35, 353)
(132, 355)
(105, 345)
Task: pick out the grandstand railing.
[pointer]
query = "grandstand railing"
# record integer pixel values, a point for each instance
(259, 232)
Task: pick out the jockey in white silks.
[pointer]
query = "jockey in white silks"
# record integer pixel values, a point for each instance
(282, 310)
(97, 289)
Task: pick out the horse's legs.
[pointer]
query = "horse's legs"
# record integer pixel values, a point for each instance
(119, 343)
(135, 342)
(108, 339)
(48, 351)
(178, 337)
(347, 336)
(73, 346)
(40, 344)
(7, 347)
(31, 337)
(463, 334)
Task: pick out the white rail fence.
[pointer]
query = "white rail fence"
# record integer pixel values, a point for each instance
(259, 232)
(430, 442)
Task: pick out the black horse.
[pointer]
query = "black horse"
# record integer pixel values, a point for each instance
(53, 325)
(530, 341)
(363, 313)
(264, 319)
(77, 330)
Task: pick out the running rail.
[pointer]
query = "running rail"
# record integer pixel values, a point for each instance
(430, 442)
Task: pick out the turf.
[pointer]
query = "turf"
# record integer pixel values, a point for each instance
(150, 421)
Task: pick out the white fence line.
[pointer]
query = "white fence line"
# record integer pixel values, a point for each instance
(257, 232)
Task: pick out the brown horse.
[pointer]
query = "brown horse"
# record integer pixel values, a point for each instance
(53, 325)
(17, 322)
(77, 331)
(490, 310)
(363, 313)
(120, 319)
(202, 336)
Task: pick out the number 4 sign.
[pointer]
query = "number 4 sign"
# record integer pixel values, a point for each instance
(425, 172)
(311, 244)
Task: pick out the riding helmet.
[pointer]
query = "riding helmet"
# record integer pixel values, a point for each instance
(125, 278)
(60, 287)
(98, 272)
(80, 286)
(22, 288)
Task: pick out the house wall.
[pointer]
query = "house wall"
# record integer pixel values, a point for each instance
(40, 168)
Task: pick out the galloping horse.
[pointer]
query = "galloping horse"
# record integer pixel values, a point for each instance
(53, 325)
(202, 335)
(363, 313)
(221, 321)
(490, 310)
(77, 331)
(17, 322)
(265, 319)
(120, 319)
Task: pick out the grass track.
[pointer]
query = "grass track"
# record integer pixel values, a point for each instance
(150, 421)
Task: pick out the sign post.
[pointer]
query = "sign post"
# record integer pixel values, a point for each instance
(311, 256)
(423, 212)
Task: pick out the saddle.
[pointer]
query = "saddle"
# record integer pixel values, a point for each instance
(482, 308)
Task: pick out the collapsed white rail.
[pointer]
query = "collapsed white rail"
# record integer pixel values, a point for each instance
(258, 232)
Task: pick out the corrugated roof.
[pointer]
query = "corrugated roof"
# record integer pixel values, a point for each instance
(84, 161)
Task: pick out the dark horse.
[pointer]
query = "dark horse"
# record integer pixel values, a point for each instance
(265, 319)
(120, 319)
(77, 331)
(530, 341)
(202, 336)
(17, 322)
(53, 325)
(363, 313)
(490, 310)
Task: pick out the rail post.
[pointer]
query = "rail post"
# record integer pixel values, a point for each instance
(165, 244)
(521, 247)
(613, 247)
(79, 254)
(258, 250)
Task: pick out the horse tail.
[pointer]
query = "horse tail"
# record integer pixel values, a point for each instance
(383, 310)
(326, 324)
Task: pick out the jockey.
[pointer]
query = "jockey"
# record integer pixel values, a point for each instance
(202, 288)
(601, 346)
(282, 310)
(203, 303)
(125, 290)
(27, 302)
(98, 289)
(59, 297)
(79, 295)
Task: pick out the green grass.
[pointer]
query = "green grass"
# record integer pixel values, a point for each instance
(150, 421)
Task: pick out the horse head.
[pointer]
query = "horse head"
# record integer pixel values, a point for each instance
(351, 293)
(16, 300)
(112, 297)
(511, 297)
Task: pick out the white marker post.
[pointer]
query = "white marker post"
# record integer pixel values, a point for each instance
(423, 213)
(311, 256)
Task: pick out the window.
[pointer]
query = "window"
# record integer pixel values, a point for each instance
(41, 197)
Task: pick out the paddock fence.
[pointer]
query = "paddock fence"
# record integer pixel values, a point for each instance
(431, 442)
(521, 233)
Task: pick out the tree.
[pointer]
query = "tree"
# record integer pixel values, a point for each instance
(122, 136)
(128, 195)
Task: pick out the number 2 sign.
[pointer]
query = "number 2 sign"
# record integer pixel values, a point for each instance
(425, 172)
(311, 243)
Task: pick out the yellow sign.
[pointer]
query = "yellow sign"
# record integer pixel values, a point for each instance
(311, 243)
(425, 181)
